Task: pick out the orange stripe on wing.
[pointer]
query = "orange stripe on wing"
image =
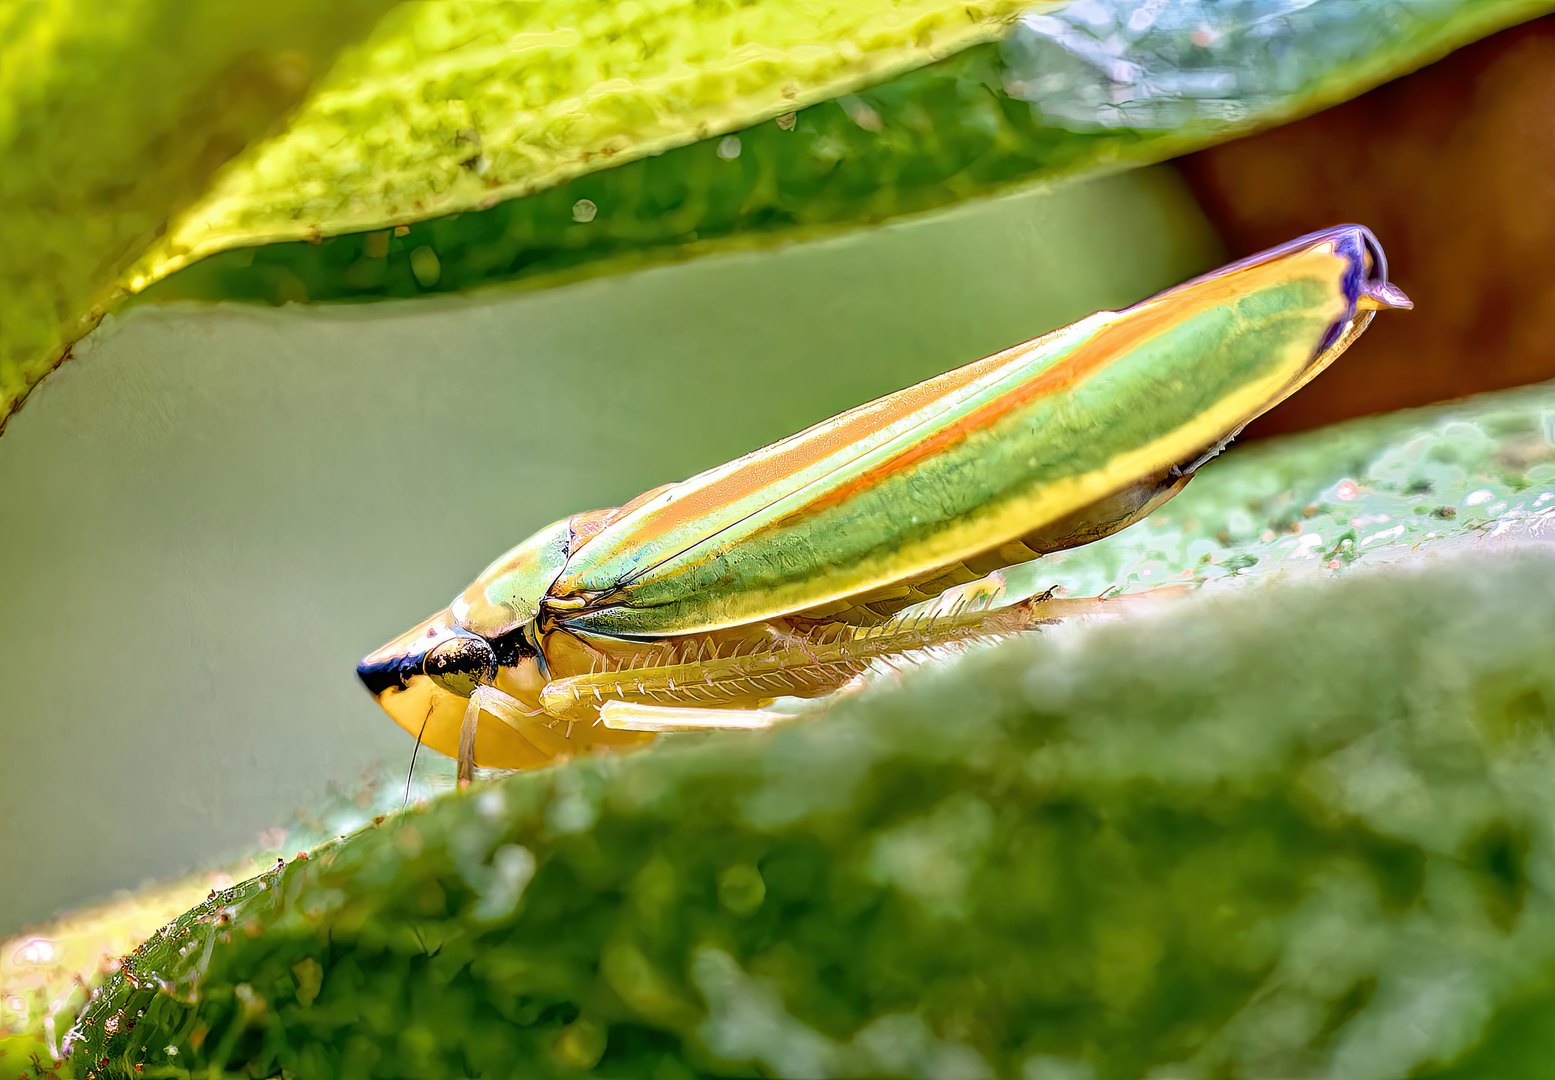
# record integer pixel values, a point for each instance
(805, 450)
(1112, 341)
(1126, 331)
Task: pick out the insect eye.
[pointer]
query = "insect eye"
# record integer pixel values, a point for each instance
(461, 664)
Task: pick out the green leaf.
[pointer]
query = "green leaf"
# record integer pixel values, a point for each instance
(114, 116)
(1291, 830)
(116, 120)
(927, 139)
(452, 106)
(455, 108)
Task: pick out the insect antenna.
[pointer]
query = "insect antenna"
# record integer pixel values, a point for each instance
(412, 771)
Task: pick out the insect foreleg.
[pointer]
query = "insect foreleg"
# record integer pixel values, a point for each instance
(472, 715)
(504, 707)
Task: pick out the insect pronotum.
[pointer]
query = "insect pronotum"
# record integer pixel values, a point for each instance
(789, 571)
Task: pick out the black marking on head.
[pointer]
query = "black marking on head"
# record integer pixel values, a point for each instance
(391, 674)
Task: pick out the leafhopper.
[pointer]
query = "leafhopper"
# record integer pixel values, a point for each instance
(789, 571)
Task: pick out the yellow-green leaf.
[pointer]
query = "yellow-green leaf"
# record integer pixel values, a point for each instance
(459, 105)
(113, 115)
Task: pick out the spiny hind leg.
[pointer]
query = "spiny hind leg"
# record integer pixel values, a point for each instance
(813, 663)
(662, 719)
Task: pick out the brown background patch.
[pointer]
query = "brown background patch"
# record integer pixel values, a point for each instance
(1453, 168)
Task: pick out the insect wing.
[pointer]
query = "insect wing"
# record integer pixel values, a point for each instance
(711, 513)
(972, 459)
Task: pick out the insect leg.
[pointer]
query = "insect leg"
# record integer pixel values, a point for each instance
(504, 707)
(810, 664)
(472, 715)
(634, 716)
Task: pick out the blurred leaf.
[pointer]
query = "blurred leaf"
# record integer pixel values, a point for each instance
(449, 108)
(1216, 65)
(114, 118)
(115, 115)
(1295, 830)
(935, 136)
(924, 140)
